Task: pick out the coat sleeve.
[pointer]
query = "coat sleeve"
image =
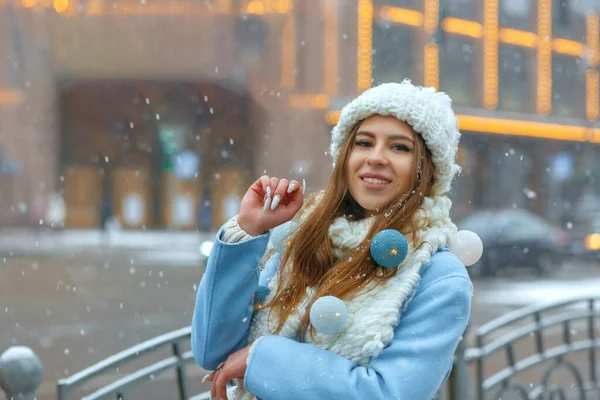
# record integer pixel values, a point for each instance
(225, 299)
(413, 366)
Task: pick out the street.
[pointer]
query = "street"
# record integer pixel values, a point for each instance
(76, 310)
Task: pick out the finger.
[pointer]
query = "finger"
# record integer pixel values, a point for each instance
(213, 388)
(264, 182)
(295, 199)
(279, 193)
(293, 186)
(274, 183)
(208, 377)
(220, 385)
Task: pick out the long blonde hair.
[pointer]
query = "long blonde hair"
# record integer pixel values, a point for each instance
(310, 250)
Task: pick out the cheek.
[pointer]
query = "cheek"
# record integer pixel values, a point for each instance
(352, 164)
(404, 171)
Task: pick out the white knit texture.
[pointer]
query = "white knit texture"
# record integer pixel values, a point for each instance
(372, 315)
(427, 111)
(233, 232)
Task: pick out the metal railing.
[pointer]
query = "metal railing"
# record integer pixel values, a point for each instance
(554, 346)
(563, 337)
(117, 389)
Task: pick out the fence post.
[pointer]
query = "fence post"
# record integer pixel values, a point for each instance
(459, 378)
(20, 373)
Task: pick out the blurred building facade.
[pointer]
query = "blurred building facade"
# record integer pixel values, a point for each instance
(161, 112)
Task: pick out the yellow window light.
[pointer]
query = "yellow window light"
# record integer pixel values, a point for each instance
(10, 97)
(330, 55)
(592, 92)
(518, 37)
(512, 127)
(432, 61)
(255, 7)
(319, 101)
(570, 47)
(490, 54)
(432, 15)
(288, 53)
(332, 117)
(95, 7)
(463, 27)
(592, 32)
(522, 128)
(365, 44)
(400, 15)
(284, 6)
(61, 5)
(544, 61)
(592, 242)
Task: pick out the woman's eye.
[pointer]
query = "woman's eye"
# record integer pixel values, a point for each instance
(402, 147)
(363, 143)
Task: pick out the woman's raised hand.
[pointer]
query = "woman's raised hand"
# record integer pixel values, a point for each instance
(269, 203)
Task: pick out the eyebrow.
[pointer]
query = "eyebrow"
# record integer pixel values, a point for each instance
(392, 137)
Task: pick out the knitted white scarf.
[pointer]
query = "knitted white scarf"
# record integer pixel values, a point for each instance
(372, 314)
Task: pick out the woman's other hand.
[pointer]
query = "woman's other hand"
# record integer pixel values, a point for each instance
(233, 368)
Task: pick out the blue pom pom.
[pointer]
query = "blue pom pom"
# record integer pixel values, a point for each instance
(328, 315)
(260, 294)
(389, 248)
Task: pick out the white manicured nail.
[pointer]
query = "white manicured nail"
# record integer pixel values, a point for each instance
(267, 204)
(275, 202)
(268, 191)
(293, 186)
(303, 186)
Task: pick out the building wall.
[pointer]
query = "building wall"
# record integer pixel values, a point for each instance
(297, 64)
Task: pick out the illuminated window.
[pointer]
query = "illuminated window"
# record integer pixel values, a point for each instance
(458, 65)
(516, 81)
(393, 56)
(516, 14)
(464, 9)
(567, 20)
(568, 86)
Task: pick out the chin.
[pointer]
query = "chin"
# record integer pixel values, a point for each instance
(371, 206)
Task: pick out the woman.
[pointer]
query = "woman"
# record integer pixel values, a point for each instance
(393, 149)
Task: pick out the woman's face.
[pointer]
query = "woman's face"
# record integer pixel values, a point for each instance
(381, 163)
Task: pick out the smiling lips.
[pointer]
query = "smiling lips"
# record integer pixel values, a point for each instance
(374, 180)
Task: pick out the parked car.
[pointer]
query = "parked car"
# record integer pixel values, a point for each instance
(516, 238)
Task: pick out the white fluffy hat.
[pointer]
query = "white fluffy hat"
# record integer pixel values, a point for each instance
(428, 112)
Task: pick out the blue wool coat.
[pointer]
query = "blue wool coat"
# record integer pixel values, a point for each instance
(413, 366)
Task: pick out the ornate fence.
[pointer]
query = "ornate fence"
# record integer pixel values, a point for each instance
(539, 352)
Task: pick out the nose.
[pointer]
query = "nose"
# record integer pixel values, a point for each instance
(377, 157)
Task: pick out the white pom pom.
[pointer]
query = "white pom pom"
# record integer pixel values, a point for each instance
(328, 315)
(281, 235)
(467, 246)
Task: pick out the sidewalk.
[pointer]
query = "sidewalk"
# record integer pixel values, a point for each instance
(187, 245)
